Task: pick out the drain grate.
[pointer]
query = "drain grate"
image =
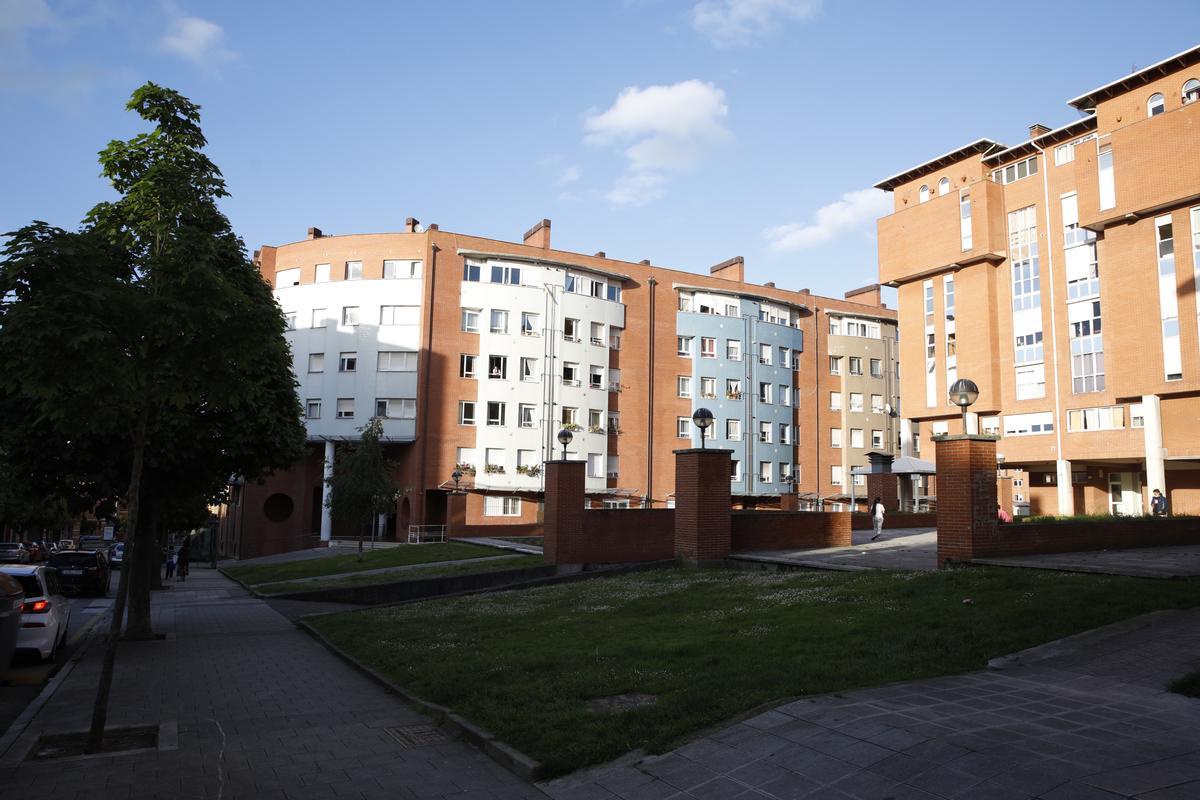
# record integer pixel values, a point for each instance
(417, 735)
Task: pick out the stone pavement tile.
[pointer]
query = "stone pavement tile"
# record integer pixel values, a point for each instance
(1075, 790)
(790, 787)
(897, 739)
(1034, 779)
(718, 789)
(1143, 778)
(944, 781)
(768, 720)
(1183, 791)
(901, 766)
(680, 772)
(862, 754)
(713, 754)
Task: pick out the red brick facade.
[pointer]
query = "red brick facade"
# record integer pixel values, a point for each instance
(564, 534)
(789, 530)
(702, 501)
(966, 478)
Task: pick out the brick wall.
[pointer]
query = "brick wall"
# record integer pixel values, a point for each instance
(789, 530)
(702, 503)
(618, 535)
(966, 478)
(564, 512)
(1067, 537)
(883, 485)
(894, 520)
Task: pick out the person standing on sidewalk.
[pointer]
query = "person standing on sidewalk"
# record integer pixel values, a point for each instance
(1158, 504)
(185, 553)
(877, 518)
(170, 563)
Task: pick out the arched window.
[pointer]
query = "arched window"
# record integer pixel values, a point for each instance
(924, 193)
(1155, 105)
(943, 186)
(1191, 91)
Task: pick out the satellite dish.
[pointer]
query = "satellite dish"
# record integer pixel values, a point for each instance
(887, 409)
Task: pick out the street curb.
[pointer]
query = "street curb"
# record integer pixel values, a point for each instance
(1083, 569)
(1071, 644)
(21, 723)
(503, 754)
(801, 564)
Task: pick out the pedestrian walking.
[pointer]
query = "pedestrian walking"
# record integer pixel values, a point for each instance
(877, 518)
(185, 553)
(1158, 504)
(170, 563)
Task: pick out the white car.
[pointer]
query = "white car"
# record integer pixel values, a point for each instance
(45, 613)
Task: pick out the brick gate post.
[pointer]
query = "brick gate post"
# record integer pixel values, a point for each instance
(966, 497)
(702, 505)
(563, 514)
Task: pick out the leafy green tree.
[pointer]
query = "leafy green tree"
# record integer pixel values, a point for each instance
(361, 487)
(147, 340)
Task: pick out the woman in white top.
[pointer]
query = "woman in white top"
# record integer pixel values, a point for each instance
(877, 517)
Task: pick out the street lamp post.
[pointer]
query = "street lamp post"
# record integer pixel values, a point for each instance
(702, 419)
(963, 393)
(457, 476)
(564, 438)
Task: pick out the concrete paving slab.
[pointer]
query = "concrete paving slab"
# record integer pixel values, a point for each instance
(1181, 561)
(899, 549)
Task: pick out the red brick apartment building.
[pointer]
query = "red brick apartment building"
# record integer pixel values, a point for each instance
(476, 352)
(1060, 275)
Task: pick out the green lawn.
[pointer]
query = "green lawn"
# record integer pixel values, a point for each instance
(509, 562)
(714, 644)
(402, 555)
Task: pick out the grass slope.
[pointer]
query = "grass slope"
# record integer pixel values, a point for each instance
(399, 556)
(471, 567)
(714, 644)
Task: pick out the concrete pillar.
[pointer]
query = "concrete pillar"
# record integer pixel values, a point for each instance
(966, 495)
(327, 473)
(789, 501)
(456, 513)
(702, 505)
(972, 423)
(562, 541)
(1156, 465)
(906, 438)
(1066, 493)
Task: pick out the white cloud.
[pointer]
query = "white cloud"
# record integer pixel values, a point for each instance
(568, 175)
(661, 129)
(853, 211)
(196, 40)
(729, 23)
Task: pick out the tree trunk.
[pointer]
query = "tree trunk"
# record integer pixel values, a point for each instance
(100, 708)
(145, 554)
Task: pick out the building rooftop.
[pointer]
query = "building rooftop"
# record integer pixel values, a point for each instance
(1141, 77)
(984, 146)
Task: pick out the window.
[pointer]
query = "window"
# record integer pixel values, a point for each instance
(923, 193)
(322, 273)
(598, 334)
(312, 409)
(501, 506)
(595, 420)
(1065, 153)
(466, 412)
(470, 320)
(835, 365)
(1023, 252)
(764, 354)
(733, 389)
(571, 330)
(597, 289)
(287, 277)
(928, 288)
(394, 270)
(316, 362)
(835, 437)
(595, 465)
(855, 365)
(835, 327)
(683, 386)
(1155, 105)
(785, 472)
(785, 395)
(876, 440)
(683, 427)
(685, 302)
(943, 186)
(614, 293)
(570, 416)
(765, 472)
(856, 437)
(570, 373)
(990, 426)
(595, 377)
(785, 433)
(835, 474)
(683, 345)
(399, 315)
(764, 432)
(498, 368)
(764, 393)
(735, 470)
(496, 413)
(856, 402)
(350, 315)
(835, 401)
(1029, 348)
(1028, 424)
(1031, 382)
(732, 311)
(1167, 301)
(733, 430)
(573, 284)
(354, 270)
(345, 408)
(1017, 171)
(289, 320)
(528, 369)
(783, 358)
(396, 361)
(499, 321)
(1087, 347)
(1105, 418)
(530, 324)
(1137, 415)
(964, 219)
(396, 407)
(466, 366)
(508, 275)
(1104, 169)
(733, 349)
(525, 416)
(708, 347)
(876, 404)
(471, 272)
(708, 388)
(614, 422)
(348, 362)
(526, 459)
(318, 318)
(614, 338)
(1072, 233)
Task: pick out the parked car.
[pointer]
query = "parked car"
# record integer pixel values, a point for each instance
(116, 556)
(45, 613)
(12, 596)
(13, 553)
(82, 571)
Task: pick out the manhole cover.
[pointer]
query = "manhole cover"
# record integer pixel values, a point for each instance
(417, 735)
(620, 703)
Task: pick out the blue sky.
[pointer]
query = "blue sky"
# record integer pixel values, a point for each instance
(683, 131)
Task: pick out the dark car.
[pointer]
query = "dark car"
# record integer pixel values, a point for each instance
(82, 571)
(116, 555)
(13, 553)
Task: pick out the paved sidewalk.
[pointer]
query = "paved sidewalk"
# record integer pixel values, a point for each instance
(1081, 719)
(1180, 561)
(900, 548)
(262, 711)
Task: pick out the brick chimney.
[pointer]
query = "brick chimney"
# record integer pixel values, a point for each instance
(733, 269)
(539, 235)
(1037, 129)
(868, 295)
(600, 254)
(411, 224)
(314, 233)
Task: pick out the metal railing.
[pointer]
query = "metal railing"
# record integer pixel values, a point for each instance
(426, 533)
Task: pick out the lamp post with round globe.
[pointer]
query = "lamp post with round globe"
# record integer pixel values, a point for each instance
(564, 438)
(702, 419)
(457, 476)
(963, 393)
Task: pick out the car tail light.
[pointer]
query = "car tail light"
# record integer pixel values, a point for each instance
(36, 607)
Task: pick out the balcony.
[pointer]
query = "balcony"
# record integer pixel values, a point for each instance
(926, 238)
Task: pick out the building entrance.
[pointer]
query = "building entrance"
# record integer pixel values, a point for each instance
(1125, 493)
